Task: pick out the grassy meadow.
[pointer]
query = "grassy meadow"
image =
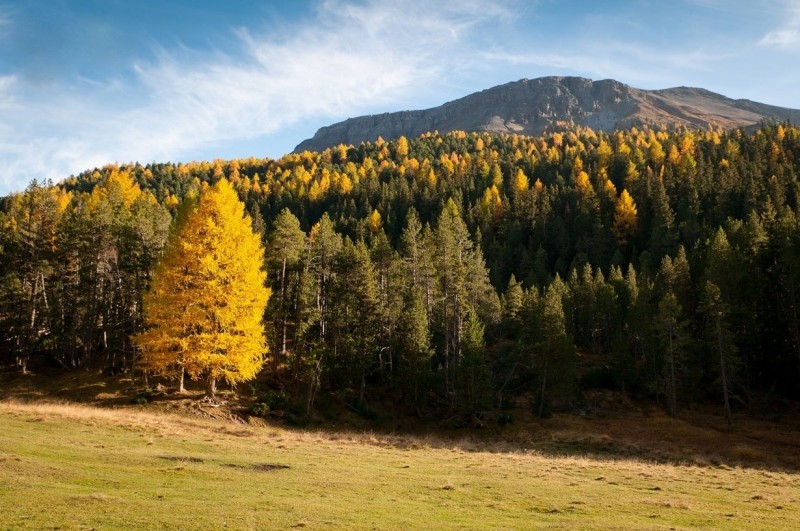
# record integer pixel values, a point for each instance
(78, 467)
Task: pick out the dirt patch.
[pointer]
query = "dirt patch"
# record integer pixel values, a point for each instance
(181, 459)
(268, 467)
(261, 467)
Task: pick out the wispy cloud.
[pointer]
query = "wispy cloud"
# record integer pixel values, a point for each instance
(346, 58)
(353, 57)
(624, 61)
(787, 35)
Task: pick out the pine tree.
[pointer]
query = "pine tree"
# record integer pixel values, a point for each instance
(454, 246)
(556, 369)
(31, 232)
(206, 303)
(415, 344)
(286, 245)
(473, 380)
(512, 304)
(716, 312)
(325, 247)
(674, 335)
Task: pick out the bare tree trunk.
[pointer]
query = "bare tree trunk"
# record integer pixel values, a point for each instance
(24, 356)
(447, 341)
(544, 385)
(723, 372)
(211, 387)
(22, 363)
(283, 317)
(502, 387)
(181, 388)
(363, 389)
(314, 386)
(673, 401)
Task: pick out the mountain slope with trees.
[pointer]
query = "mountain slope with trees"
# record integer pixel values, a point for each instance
(536, 106)
(456, 272)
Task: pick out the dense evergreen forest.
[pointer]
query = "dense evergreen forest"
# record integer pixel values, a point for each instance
(462, 272)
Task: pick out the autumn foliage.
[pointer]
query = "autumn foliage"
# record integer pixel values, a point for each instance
(463, 270)
(206, 304)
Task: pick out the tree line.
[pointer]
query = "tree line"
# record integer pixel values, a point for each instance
(458, 271)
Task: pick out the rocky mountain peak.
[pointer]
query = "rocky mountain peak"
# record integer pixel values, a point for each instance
(533, 106)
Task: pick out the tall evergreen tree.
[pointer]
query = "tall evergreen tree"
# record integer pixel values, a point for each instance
(716, 313)
(285, 248)
(674, 337)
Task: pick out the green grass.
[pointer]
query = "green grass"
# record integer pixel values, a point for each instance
(76, 467)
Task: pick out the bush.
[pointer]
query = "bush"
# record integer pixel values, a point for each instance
(144, 397)
(276, 400)
(260, 410)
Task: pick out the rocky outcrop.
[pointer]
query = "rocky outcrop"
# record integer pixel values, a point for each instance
(533, 106)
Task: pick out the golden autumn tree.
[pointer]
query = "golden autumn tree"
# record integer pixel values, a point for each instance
(205, 305)
(625, 218)
(375, 222)
(402, 148)
(520, 182)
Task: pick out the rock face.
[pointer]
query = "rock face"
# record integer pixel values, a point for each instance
(533, 106)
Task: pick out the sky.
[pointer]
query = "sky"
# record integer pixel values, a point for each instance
(84, 83)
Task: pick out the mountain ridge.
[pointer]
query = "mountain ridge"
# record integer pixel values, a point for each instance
(533, 106)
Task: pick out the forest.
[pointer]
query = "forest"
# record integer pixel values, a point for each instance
(450, 273)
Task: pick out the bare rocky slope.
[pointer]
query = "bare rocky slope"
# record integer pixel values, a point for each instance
(533, 106)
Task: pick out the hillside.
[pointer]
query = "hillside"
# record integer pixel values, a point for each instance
(533, 106)
(453, 277)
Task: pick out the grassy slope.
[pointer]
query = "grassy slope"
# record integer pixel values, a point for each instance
(80, 467)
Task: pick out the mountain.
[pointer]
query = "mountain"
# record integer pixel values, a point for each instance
(532, 106)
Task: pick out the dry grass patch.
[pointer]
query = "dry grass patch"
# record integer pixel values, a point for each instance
(73, 466)
(744, 452)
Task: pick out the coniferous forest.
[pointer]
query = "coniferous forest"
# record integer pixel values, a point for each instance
(457, 272)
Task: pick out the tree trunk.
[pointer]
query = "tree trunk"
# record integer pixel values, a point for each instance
(673, 401)
(363, 389)
(313, 385)
(22, 360)
(283, 305)
(446, 344)
(544, 386)
(211, 387)
(723, 372)
(181, 388)
(22, 363)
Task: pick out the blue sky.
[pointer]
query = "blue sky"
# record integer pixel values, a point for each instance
(88, 82)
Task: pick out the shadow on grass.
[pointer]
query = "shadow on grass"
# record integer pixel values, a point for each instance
(696, 438)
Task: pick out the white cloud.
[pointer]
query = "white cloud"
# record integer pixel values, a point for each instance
(6, 85)
(347, 58)
(352, 58)
(624, 61)
(787, 35)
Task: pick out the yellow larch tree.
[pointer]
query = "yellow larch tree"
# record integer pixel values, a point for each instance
(625, 218)
(491, 205)
(402, 148)
(375, 222)
(520, 182)
(205, 306)
(582, 183)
